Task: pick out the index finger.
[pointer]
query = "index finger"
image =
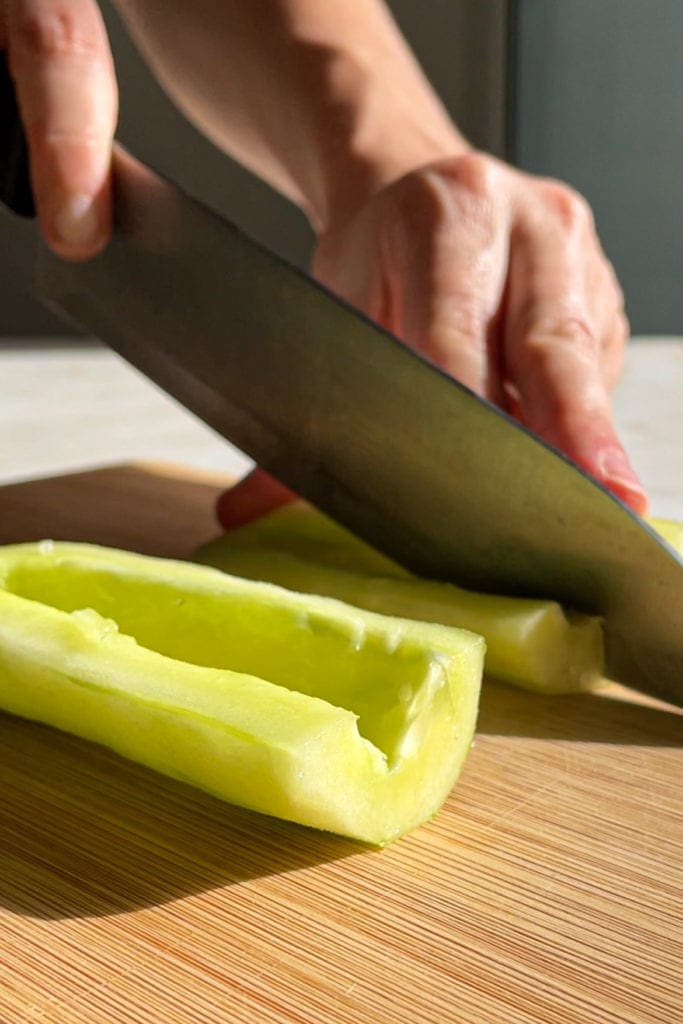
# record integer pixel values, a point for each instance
(63, 72)
(553, 355)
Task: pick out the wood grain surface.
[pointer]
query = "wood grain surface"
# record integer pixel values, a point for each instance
(549, 889)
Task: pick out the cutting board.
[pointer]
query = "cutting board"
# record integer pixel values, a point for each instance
(548, 889)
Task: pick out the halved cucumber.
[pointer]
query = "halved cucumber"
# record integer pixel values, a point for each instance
(530, 643)
(296, 706)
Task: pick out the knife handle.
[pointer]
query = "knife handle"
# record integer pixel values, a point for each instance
(15, 183)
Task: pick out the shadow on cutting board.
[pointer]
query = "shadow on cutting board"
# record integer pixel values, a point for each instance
(85, 833)
(613, 715)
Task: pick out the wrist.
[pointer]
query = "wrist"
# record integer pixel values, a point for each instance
(360, 168)
(372, 117)
(380, 147)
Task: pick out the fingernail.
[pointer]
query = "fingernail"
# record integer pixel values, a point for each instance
(617, 474)
(613, 463)
(77, 223)
(631, 494)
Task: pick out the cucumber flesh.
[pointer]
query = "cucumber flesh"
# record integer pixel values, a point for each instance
(296, 706)
(533, 644)
(671, 531)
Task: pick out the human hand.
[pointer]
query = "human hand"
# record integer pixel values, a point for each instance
(498, 277)
(63, 73)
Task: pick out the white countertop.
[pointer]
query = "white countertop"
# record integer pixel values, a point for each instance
(74, 406)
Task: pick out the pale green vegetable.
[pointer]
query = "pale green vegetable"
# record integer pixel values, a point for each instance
(671, 531)
(300, 707)
(530, 643)
(300, 530)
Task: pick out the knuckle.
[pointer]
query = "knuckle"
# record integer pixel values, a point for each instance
(469, 316)
(474, 172)
(613, 284)
(455, 333)
(417, 211)
(623, 327)
(64, 30)
(546, 333)
(419, 194)
(613, 348)
(432, 197)
(427, 208)
(468, 320)
(569, 206)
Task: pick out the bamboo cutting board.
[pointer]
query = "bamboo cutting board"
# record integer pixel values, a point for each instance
(549, 889)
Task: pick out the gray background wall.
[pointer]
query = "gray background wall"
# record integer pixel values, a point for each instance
(600, 103)
(593, 94)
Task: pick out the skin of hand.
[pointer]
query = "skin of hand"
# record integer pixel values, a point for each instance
(59, 59)
(496, 275)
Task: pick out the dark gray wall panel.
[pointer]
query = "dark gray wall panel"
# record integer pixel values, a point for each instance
(599, 103)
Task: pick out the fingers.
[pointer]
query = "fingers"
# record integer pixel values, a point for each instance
(563, 338)
(445, 250)
(66, 89)
(254, 496)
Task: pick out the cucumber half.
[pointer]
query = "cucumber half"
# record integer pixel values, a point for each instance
(296, 706)
(534, 644)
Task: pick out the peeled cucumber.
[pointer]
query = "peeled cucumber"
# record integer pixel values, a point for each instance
(534, 644)
(292, 705)
(671, 531)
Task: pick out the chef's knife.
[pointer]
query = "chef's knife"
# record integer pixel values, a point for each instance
(356, 422)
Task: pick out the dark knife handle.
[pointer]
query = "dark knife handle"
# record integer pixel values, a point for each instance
(15, 183)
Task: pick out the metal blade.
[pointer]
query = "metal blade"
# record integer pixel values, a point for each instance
(354, 421)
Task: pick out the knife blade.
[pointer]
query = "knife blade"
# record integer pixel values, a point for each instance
(352, 419)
